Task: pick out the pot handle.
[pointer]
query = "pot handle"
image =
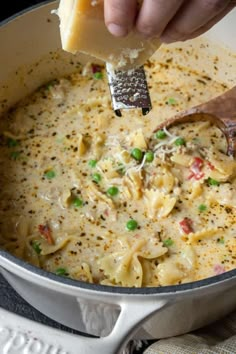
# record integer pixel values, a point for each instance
(19, 335)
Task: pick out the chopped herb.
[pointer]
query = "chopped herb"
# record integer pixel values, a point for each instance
(137, 154)
(196, 141)
(171, 101)
(131, 225)
(50, 84)
(202, 207)
(112, 191)
(168, 242)
(98, 76)
(61, 272)
(12, 142)
(77, 202)
(213, 182)
(179, 142)
(15, 155)
(160, 134)
(60, 140)
(50, 174)
(96, 177)
(221, 240)
(149, 156)
(92, 163)
(121, 169)
(36, 247)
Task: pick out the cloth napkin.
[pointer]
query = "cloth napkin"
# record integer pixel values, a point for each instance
(217, 338)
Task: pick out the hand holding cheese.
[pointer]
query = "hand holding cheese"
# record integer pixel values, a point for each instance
(83, 29)
(174, 20)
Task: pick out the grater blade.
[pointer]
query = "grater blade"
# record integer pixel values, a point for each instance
(128, 89)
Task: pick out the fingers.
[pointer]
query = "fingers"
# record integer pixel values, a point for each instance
(194, 18)
(154, 16)
(173, 20)
(120, 16)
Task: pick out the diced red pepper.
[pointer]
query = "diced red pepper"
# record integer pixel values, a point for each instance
(46, 232)
(195, 169)
(96, 68)
(196, 177)
(186, 225)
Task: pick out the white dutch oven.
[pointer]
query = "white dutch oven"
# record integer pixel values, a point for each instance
(30, 56)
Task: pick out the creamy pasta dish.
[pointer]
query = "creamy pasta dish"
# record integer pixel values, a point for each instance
(108, 200)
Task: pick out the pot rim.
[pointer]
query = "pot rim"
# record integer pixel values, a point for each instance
(97, 287)
(170, 289)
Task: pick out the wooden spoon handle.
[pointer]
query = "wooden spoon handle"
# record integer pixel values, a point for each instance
(223, 106)
(220, 111)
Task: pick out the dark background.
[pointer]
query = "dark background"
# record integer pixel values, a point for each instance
(9, 299)
(8, 8)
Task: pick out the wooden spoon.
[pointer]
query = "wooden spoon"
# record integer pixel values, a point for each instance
(220, 111)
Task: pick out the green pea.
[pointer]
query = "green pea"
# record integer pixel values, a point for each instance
(179, 142)
(50, 174)
(61, 271)
(112, 191)
(168, 242)
(92, 163)
(213, 182)
(96, 177)
(15, 155)
(171, 101)
(36, 247)
(137, 154)
(202, 207)
(160, 134)
(98, 76)
(77, 202)
(12, 142)
(149, 156)
(131, 225)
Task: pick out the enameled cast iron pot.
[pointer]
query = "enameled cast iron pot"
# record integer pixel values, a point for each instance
(30, 56)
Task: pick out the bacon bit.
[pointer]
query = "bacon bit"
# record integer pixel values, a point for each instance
(46, 232)
(210, 165)
(137, 236)
(186, 225)
(96, 68)
(195, 169)
(218, 269)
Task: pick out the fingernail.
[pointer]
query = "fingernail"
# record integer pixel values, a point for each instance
(117, 30)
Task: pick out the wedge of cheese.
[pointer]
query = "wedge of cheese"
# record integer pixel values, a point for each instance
(82, 29)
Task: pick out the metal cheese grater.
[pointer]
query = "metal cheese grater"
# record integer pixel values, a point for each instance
(128, 90)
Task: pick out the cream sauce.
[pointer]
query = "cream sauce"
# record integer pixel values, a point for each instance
(70, 183)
